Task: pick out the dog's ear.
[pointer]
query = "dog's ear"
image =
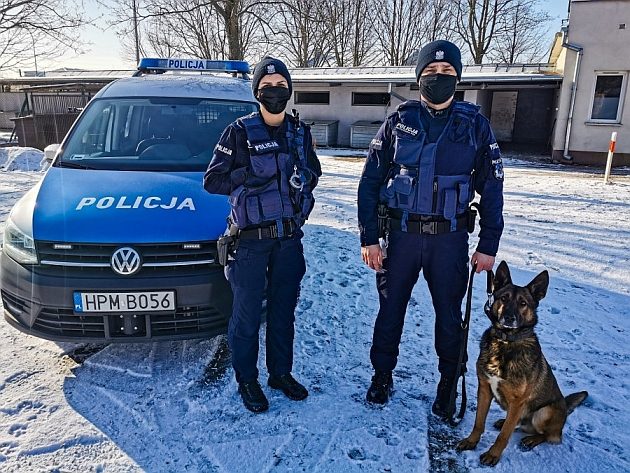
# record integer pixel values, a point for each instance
(538, 286)
(502, 277)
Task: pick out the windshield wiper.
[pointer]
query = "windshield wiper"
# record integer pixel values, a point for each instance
(68, 164)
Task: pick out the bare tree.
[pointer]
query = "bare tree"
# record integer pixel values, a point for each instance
(400, 29)
(349, 30)
(478, 23)
(440, 20)
(301, 33)
(225, 29)
(31, 28)
(522, 32)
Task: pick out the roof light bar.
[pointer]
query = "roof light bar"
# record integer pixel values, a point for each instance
(187, 64)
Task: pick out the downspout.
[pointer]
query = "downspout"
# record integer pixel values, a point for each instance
(576, 72)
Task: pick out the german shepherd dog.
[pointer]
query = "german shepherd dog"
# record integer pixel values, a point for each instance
(512, 369)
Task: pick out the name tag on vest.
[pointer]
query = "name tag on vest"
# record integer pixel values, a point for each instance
(266, 146)
(406, 129)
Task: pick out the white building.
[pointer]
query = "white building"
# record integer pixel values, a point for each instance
(593, 53)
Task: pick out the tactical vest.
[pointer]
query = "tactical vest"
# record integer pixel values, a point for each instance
(419, 185)
(266, 195)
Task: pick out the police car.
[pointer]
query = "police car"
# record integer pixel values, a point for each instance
(117, 242)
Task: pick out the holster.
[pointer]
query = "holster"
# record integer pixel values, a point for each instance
(226, 245)
(472, 216)
(383, 220)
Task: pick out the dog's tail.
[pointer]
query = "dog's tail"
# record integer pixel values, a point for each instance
(574, 400)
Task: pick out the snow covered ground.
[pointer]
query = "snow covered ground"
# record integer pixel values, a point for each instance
(174, 406)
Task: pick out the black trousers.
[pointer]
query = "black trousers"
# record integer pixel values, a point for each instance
(272, 268)
(443, 260)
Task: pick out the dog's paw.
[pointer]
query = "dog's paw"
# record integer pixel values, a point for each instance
(489, 459)
(499, 424)
(466, 444)
(529, 442)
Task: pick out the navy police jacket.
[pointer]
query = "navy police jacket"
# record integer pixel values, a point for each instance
(253, 163)
(431, 163)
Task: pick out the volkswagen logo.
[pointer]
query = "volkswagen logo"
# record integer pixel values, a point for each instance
(125, 261)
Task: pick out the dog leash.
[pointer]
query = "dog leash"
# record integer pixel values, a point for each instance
(453, 419)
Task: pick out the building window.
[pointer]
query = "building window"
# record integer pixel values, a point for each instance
(607, 98)
(312, 98)
(370, 98)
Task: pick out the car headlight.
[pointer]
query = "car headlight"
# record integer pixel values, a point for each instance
(18, 245)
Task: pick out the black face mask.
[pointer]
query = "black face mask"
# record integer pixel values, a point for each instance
(274, 98)
(437, 88)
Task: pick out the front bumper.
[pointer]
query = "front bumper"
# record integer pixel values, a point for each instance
(39, 301)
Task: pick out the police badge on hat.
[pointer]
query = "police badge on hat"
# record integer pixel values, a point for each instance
(271, 69)
(439, 55)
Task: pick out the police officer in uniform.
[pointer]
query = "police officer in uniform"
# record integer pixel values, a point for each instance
(267, 165)
(423, 168)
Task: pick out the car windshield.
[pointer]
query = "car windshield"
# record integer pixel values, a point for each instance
(149, 134)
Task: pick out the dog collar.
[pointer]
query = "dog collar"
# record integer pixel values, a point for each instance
(516, 336)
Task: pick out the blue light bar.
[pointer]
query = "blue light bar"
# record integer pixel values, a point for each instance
(175, 64)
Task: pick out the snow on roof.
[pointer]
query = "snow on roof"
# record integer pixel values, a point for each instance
(472, 73)
(186, 85)
(375, 74)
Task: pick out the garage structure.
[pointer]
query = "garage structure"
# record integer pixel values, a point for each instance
(519, 99)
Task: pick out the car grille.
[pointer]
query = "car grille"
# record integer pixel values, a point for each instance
(63, 322)
(186, 322)
(15, 304)
(155, 257)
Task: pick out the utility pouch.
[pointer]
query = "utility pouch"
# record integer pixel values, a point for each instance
(383, 220)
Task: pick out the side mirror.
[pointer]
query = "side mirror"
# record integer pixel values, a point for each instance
(50, 152)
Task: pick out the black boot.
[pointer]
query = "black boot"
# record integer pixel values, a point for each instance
(253, 396)
(381, 388)
(289, 386)
(441, 404)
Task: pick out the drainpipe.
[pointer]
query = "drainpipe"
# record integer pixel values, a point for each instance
(576, 72)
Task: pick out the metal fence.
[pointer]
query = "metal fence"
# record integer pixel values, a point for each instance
(48, 113)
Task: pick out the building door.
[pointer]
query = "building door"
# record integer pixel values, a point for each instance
(502, 114)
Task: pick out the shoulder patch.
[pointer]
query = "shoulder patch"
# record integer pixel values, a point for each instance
(497, 169)
(376, 144)
(224, 149)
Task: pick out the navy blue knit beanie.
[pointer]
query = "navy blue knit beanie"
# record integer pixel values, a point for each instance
(267, 66)
(438, 51)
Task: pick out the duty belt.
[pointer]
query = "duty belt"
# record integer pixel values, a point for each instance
(428, 225)
(270, 232)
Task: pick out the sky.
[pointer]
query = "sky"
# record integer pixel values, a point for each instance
(104, 50)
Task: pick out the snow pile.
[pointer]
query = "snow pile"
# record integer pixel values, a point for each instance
(5, 136)
(21, 159)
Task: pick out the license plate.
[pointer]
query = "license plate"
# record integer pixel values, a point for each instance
(124, 301)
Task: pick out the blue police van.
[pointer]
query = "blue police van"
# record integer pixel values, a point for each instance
(117, 242)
